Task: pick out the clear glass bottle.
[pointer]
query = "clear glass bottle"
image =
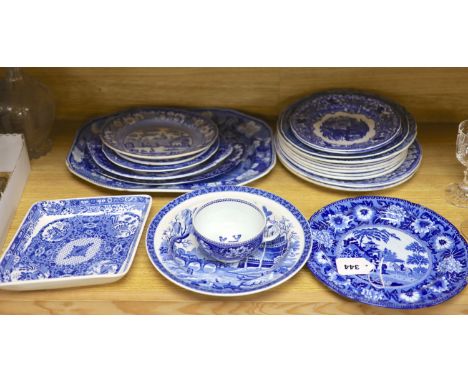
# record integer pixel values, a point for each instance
(27, 107)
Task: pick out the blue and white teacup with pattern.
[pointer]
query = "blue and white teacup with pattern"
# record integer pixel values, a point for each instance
(230, 229)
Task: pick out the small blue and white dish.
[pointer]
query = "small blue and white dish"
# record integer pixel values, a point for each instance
(344, 122)
(74, 242)
(229, 229)
(158, 133)
(164, 166)
(419, 258)
(253, 135)
(176, 253)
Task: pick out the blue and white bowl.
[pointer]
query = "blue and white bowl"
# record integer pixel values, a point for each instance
(229, 229)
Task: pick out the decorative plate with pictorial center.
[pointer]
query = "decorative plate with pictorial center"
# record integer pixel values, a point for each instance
(158, 133)
(345, 122)
(74, 242)
(177, 255)
(257, 160)
(419, 259)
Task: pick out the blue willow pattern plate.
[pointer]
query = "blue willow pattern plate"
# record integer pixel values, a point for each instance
(419, 258)
(235, 128)
(394, 178)
(73, 242)
(345, 122)
(176, 254)
(161, 166)
(158, 133)
(400, 143)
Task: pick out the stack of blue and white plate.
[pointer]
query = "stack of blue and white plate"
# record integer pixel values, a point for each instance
(348, 140)
(172, 150)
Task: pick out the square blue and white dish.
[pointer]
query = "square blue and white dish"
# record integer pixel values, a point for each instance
(177, 254)
(74, 242)
(417, 258)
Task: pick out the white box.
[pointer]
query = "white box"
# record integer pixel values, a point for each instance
(14, 160)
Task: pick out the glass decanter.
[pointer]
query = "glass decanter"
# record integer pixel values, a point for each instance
(457, 193)
(27, 107)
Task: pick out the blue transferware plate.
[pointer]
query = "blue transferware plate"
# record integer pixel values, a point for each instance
(345, 122)
(400, 143)
(227, 165)
(158, 133)
(95, 150)
(396, 177)
(163, 166)
(419, 258)
(235, 128)
(176, 254)
(74, 242)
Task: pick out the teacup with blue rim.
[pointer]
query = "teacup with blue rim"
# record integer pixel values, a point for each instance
(229, 229)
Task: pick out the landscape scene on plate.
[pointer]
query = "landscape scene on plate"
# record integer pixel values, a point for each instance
(185, 258)
(418, 257)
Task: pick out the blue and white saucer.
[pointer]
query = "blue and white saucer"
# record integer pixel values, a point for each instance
(419, 258)
(235, 128)
(74, 242)
(403, 173)
(158, 133)
(95, 150)
(162, 166)
(344, 122)
(176, 254)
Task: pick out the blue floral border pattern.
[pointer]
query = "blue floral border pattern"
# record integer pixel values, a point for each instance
(76, 237)
(258, 158)
(173, 251)
(420, 258)
(311, 109)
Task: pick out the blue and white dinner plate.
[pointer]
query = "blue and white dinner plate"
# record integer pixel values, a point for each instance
(95, 150)
(419, 258)
(235, 128)
(344, 122)
(396, 177)
(400, 143)
(158, 133)
(176, 254)
(162, 166)
(74, 242)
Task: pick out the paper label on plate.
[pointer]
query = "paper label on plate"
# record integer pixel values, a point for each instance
(353, 266)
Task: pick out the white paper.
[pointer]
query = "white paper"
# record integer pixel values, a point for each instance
(353, 266)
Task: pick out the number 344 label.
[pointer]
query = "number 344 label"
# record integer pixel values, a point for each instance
(353, 266)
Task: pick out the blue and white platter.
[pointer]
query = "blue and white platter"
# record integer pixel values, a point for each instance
(176, 254)
(162, 166)
(344, 122)
(236, 129)
(74, 242)
(97, 155)
(403, 173)
(397, 145)
(418, 258)
(158, 133)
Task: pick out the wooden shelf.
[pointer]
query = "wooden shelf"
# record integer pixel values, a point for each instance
(144, 290)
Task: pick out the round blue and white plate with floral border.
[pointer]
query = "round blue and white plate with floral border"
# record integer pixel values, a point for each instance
(158, 133)
(161, 166)
(255, 135)
(176, 254)
(418, 258)
(344, 122)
